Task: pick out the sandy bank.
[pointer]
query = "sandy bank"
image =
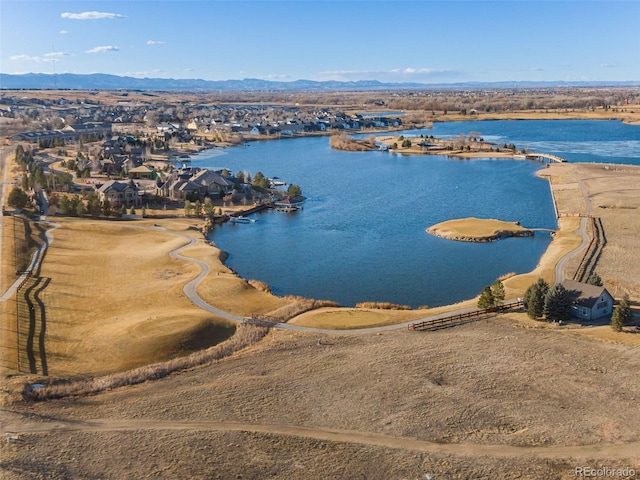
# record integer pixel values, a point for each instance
(478, 230)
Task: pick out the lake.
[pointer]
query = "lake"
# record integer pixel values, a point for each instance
(361, 235)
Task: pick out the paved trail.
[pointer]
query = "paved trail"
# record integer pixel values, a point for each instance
(190, 290)
(610, 451)
(582, 230)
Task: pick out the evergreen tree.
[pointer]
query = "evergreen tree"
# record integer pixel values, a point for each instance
(497, 290)
(534, 298)
(616, 320)
(93, 204)
(106, 208)
(594, 279)
(17, 198)
(197, 209)
(208, 207)
(188, 209)
(621, 314)
(294, 190)
(76, 205)
(260, 181)
(486, 299)
(65, 205)
(557, 303)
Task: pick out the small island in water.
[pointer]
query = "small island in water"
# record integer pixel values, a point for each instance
(478, 230)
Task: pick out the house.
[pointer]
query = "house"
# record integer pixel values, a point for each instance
(290, 128)
(211, 183)
(590, 302)
(119, 193)
(88, 128)
(143, 171)
(183, 189)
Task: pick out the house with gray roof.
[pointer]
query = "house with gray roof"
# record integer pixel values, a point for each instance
(119, 193)
(211, 183)
(590, 302)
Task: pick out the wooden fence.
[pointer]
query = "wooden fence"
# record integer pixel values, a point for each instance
(461, 318)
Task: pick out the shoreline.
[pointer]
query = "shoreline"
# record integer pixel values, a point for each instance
(545, 268)
(477, 230)
(230, 292)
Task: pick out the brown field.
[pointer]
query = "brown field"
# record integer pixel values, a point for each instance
(495, 399)
(504, 397)
(115, 300)
(92, 324)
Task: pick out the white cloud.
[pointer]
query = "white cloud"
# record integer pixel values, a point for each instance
(28, 58)
(155, 42)
(91, 15)
(63, 32)
(47, 57)
(103, 49)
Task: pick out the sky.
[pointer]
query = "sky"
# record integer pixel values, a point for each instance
(425, 41)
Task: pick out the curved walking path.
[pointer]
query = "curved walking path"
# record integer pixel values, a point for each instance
(610, 451)
(190, 290)
(582, 230)
(562, 262)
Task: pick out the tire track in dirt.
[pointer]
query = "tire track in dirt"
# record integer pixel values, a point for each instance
(610, 451)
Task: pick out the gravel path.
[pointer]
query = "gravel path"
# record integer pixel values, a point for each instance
(594, 450)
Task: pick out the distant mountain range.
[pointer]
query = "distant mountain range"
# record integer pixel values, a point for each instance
(101, 81)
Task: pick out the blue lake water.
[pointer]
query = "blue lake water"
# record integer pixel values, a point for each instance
(575, 140)
(361, 235)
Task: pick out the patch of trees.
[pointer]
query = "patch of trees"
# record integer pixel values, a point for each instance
(351, 144)
(201, 209)
(551, 303)
(294, 190)
(86, 204)
(492, 295)
(71, 205)
(17, 198)
(260, 181)
(51, 142)
(621, 314)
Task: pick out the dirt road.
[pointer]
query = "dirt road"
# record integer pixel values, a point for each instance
(609, 450)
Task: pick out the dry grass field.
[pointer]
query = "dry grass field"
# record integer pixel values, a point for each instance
(115, 297)
(113, 301)
(501, 398)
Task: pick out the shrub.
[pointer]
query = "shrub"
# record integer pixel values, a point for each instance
(259, 285)
(383, 306)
